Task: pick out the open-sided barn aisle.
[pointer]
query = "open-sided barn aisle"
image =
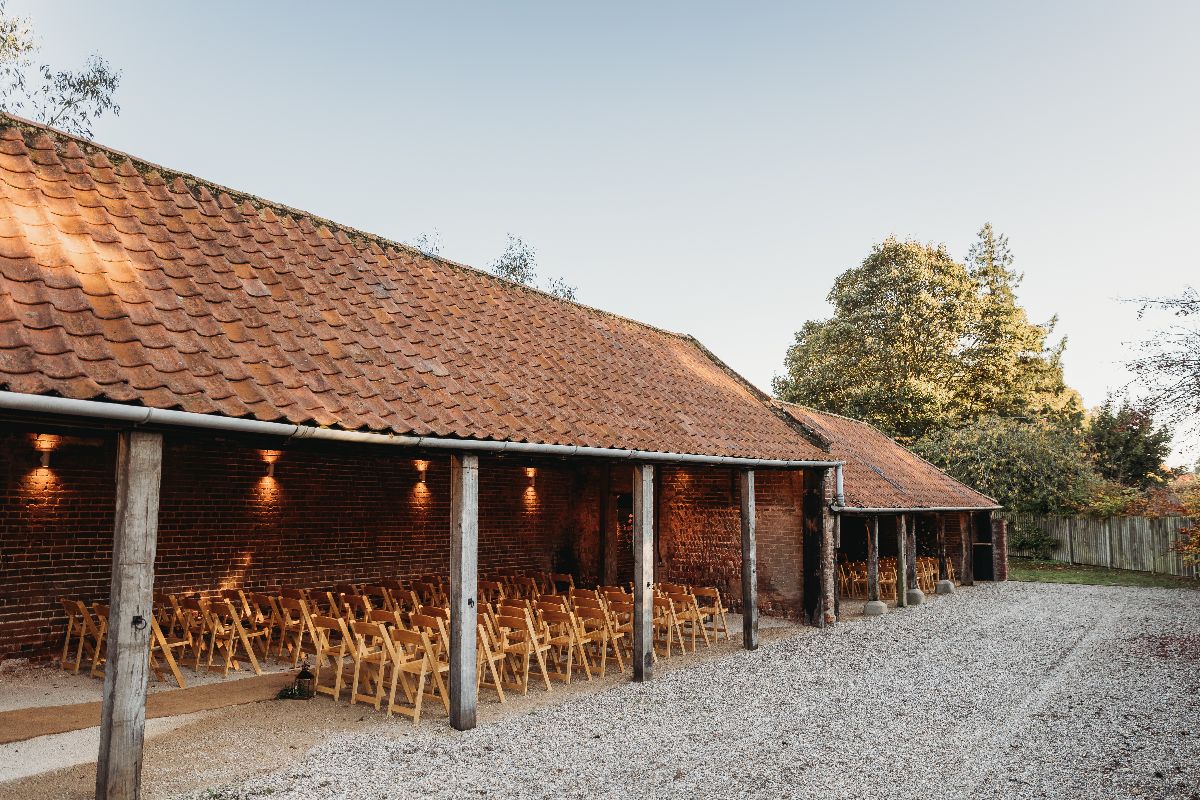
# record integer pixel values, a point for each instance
(1003, 690)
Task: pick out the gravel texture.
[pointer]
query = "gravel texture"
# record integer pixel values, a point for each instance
(1003, 690)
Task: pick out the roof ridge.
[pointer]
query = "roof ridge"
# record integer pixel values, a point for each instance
(192, 181)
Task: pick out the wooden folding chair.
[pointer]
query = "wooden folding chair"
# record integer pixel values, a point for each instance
(372, 655)
(559, 631)
(712, 610)
(489, 660)
(561, 581)
(593, 629)
(161, 643)
(522, 645)
(687, 613)
(227, 635)
(412, 659)
(83, 627)
(100, 655)
(331, 642)
(665, 623)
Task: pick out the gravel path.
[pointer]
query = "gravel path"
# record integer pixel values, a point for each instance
(1003, 690)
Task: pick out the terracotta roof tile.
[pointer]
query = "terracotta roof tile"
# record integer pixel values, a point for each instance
(880, 472)
(120, 280)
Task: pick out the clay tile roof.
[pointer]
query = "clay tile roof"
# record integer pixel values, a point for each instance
(153, 292)
(880, 472)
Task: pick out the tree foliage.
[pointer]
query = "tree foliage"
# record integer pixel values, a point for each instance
(1126, 445)
(1167, 365)
(1032, 467)
(518, 263)
(919, 341)
(68, 99)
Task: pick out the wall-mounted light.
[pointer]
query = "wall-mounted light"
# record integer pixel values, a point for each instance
(271, 456)
(422, 467)
(45, 443)
(531, 473)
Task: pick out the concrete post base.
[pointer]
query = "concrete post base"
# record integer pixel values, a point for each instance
(914, 597)
(945, 587)
(875, 608)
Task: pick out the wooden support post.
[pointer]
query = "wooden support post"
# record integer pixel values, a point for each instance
(126, 673)
(608, 539)
(830, 541)
(943, 573)
(643, 572)
(968, 549)
(873, 559)
(901, 563)
(911, 552)
(749, 563)
(464, 585)
(833, 548)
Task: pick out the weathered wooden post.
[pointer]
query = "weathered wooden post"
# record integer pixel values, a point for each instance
(830, 534)
(643, 572)
(915, 595)
(749, 563)
(135, 538)
(874, 607)
(464, 585)
(901, 563)
(944, 584)
(968, 548)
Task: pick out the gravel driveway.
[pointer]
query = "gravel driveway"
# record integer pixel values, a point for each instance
(1003, 690)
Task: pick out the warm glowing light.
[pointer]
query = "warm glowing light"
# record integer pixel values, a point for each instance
(422, 467)
(45, 443)
(271, 456)
(530, 472)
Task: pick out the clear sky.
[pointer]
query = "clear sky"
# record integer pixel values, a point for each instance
(705, 168)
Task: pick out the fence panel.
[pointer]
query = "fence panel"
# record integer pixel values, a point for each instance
(1135, 543)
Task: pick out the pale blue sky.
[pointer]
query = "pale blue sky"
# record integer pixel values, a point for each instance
(705, 168)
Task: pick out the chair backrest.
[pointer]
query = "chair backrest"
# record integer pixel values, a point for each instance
(435, 611)
(371, 637)
(330, 632)
(293, 594)
(708, 593)
(384, 616)
(412, 645)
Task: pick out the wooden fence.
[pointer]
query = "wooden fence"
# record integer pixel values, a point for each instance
(1137, 543)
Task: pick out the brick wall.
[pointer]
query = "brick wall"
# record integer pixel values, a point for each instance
(328, 515)
(333, 514)
(699, 539)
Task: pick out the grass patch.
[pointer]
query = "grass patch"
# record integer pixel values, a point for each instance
(1036, 569)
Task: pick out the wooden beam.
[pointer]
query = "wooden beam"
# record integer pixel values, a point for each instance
(749, 563)
(911, 552)
(126, 672)
(901, 562)
(943, 573)
(873, 559)
(608, 541)
(643, 572)
(830, 541)
(464, 585)
(968, 549)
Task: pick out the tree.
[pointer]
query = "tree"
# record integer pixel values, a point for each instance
(518, 263)
(1008, 366)
(428, 243)
(919, 341)
(1126, 446)
(1031, 467)
(66, 99)
(887, 355)
(1167, 365)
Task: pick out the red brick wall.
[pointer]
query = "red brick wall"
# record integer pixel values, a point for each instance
(700, 534)
(329, 515)
(336, 514)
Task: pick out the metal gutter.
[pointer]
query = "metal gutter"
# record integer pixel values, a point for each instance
(852, 510)
(140, 415)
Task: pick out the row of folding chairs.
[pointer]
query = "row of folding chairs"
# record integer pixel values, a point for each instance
(852, 577)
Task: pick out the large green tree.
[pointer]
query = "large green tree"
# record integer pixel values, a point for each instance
(1127, 446)
(920, 341)
(1008, 366)
(1027, 466)
(888, 353)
